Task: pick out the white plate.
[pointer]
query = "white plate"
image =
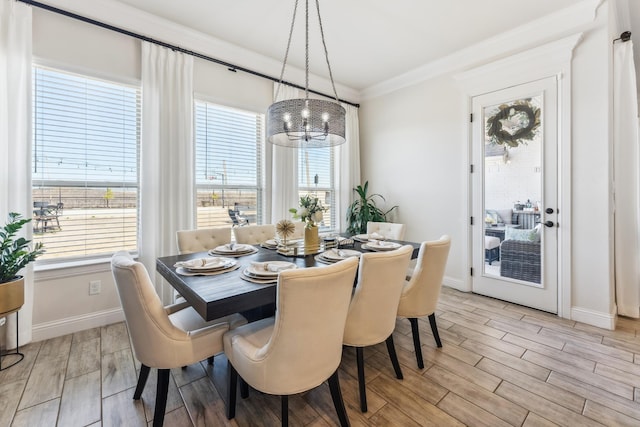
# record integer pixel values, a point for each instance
(237, 249)
(206, 264)
(361, 237)
(340, 254)
(376, 245)
(257, 269)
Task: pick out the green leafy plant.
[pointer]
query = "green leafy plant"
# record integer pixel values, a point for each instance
(15, 253)
(364, 209)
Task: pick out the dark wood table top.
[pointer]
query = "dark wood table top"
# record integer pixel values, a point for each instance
(220, 295)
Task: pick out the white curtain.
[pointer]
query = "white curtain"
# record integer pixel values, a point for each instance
(15, 138)
(348, 165)
(626, 176)
(284, 162)
(167, 187)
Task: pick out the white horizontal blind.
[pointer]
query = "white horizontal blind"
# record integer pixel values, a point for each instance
(316, 176)
(86, 136)
(229, 171)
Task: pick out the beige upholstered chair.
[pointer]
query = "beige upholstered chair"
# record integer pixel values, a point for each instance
(203, 239)
(374, 307)
(254, 234)
(299, 231)
(301, 346)
(390, 230)
(420, 294)
(163, 337)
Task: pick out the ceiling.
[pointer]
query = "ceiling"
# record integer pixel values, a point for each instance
(368, 41)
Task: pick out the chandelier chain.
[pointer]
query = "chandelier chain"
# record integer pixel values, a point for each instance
(326, 53)
(306, 51)
(286, 53)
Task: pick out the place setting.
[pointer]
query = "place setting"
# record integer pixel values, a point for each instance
(380, 245)
(334, 255)
(209, 266)
(266, 272)
(234, 250)
(276, 243)
(363, 238)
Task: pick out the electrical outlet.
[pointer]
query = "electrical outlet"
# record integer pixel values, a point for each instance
(94, 287)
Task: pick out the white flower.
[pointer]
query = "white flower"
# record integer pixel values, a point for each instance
(317, 217)
(303, 213)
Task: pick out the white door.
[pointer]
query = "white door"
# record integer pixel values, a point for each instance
(514, 194)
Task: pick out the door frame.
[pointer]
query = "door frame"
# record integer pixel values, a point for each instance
(552, 59)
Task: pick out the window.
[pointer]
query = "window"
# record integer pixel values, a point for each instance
(229, 171)
(85, 164)
(315, 176)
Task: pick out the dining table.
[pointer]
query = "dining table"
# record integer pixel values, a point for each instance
(215, 296)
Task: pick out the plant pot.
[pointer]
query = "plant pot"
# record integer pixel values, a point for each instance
(11, 296)
(311, 239)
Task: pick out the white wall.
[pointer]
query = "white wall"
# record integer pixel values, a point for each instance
(414, 151)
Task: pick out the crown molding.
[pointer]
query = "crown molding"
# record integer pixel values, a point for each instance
(137, 21)
(567, 21)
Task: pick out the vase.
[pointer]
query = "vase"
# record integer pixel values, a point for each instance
(11, 296)
(311, 239)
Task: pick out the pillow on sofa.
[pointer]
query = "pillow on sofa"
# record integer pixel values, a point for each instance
(530, 234)
(504, 215)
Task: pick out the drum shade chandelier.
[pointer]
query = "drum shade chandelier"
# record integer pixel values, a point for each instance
(306, 122)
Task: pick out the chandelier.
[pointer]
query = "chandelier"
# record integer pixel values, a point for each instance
(306, 122)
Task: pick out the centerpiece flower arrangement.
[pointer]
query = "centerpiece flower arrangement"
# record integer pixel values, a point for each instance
(311, 211)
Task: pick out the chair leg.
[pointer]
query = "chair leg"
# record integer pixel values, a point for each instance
(361, 383)
(210, 360)
(161, 397)
(416, 341)
(284, 404)
(142, 380)
(231, 398)
(391, 349)
(338, 402)
(244, 389)
(434, 329)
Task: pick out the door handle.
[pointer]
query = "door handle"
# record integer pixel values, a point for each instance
(549, 223)
(549, 210)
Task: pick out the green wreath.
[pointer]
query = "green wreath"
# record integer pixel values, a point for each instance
(527, 129)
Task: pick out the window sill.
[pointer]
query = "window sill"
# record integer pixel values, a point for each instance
(52, 269)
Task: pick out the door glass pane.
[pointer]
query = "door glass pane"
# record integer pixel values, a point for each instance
(512, 193)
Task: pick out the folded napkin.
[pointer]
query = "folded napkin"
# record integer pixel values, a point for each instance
(275, 268)
(211, 262)
(343, 254)
(376, 236)
(384, 244)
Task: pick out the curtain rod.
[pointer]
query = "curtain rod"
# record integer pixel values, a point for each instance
(231, 67)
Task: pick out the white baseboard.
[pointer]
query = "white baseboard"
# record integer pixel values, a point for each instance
(69, 325)
(458, 284)
(594, 318)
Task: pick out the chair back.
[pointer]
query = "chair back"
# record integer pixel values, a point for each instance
(311, 310)
(420, 295)
(374, 306)
(153, 336)
(298, 233)
(390, 230)
(254, 234)
(203, 239)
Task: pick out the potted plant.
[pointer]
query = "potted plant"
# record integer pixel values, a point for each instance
(15, 254)
(311, 212)
(364, 209)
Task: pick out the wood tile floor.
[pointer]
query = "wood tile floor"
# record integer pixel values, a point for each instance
(501, 365)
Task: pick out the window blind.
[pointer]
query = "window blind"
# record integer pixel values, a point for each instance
(229, 170)
(86, 135)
